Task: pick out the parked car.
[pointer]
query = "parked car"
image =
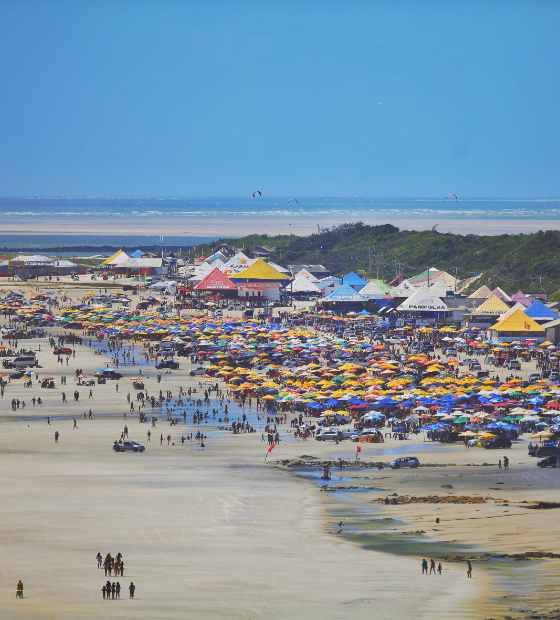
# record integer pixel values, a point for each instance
(549, 461)
(197, 371)
(128, 446)
(535, 376)
(329, 436)
(554, 375)
(540, 451)
(513, 365)
(349, 433)
(498, 442)
(172, 365)
(467, 361)
(405, 461)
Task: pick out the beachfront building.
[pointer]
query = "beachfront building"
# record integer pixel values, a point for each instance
(216, 284)
(142, 267)
(344, 299)
(425, 305)
(37, 265)
(516, 326)
(260, 280)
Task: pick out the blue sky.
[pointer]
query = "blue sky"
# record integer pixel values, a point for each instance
(316, 98)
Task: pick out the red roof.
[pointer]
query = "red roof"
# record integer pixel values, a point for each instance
(216, 281)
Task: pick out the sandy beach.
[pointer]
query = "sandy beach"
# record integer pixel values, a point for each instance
(240, 226)
(216, 532)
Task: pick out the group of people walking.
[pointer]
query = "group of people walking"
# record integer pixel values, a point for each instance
(109, 564)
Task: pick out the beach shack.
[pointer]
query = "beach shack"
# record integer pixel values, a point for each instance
(516, 326)
(259, 281)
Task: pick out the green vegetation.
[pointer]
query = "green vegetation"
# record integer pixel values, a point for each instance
(526, 261)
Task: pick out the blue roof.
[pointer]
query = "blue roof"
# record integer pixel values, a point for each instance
(353, 279)
(345, 293)
(137, 254)
(538, 310)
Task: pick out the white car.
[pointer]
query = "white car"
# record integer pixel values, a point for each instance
(197, 371)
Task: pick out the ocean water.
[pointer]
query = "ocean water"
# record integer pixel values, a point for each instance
(347, 209)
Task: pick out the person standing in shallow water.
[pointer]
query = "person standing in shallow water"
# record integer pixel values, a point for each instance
(424, 566)
(469, 569)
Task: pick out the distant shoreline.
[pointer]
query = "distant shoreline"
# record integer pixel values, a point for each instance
(238, 227)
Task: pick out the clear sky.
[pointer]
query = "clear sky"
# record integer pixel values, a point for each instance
(302, 97)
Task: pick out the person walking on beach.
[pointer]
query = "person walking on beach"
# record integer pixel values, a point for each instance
(149, 436)
(500, 464)
(99, 559)
(118, 590)
(432, 566)
(48, 421)
(19, 589)
(469, 569)
(439, 567)
(56, 436)
(424, 566)
(104, 590)
(131, 589)
(75, 424)
(506, 462)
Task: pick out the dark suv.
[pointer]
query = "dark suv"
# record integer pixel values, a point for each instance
(498, 442)
(168, 364)
(541, 451)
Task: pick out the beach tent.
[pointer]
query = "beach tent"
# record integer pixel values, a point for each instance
(345, 293)
(278, 267)
(216, 281)
(498, 292)
(354, 280)
(371, 291)
(493, 305)
(382, 285)
(237, 263)
(440, 288)
(423, 300)
(516, 326)
(481, 293)
(431, 276)
(260, 271)
(404, 289)
(302, 284)
(305, 274)
(521, 298)
(117, 258)
(540, 313)
(137, 254)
